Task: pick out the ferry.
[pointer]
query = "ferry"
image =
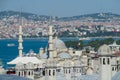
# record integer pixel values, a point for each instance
(10, 44)
(85, 38)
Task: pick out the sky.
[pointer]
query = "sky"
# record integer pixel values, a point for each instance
(61, 7)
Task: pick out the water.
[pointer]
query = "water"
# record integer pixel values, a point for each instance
(8, 53)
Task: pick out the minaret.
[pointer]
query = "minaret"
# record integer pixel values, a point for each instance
(20, 40)
(41, 51)
(50, 47)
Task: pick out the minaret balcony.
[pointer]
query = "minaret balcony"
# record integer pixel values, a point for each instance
(20, 48)
(20, 40)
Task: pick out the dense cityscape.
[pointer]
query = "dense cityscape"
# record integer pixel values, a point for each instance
(92, 25)
(59, 40)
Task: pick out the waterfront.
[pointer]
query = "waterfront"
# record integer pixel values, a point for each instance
(8, 53)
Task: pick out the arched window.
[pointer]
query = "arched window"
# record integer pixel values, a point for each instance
(19, 74)
(112, 68)
(103, 60)
(69, 70)
(29, 73)
(43, 73)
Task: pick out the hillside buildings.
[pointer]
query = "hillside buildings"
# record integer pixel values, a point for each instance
(36, 26)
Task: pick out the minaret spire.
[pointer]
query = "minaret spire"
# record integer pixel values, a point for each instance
(50, 42)
(20, 40)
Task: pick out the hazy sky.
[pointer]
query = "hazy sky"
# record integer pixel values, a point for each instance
(61, 7)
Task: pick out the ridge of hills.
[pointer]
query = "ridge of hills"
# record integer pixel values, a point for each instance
(31, 16)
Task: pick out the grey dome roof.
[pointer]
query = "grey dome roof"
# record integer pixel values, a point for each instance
(64, 55)
(104, 50)
(58, 44)
(12, 77)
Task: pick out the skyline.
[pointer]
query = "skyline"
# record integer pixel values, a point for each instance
(61, 8)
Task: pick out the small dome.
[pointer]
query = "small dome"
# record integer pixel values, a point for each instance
(58, 44)
(104, 50)
(64, 55)
(89, 71)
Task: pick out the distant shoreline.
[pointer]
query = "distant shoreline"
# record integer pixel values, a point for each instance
(63, 38)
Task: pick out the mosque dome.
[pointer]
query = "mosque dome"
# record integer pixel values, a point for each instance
(64, 55)
(104, 50)
(58, 44)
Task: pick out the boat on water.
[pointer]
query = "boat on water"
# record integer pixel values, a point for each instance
(84, 38)
(10, 44)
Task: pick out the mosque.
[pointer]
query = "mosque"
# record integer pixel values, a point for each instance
(57, 62)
